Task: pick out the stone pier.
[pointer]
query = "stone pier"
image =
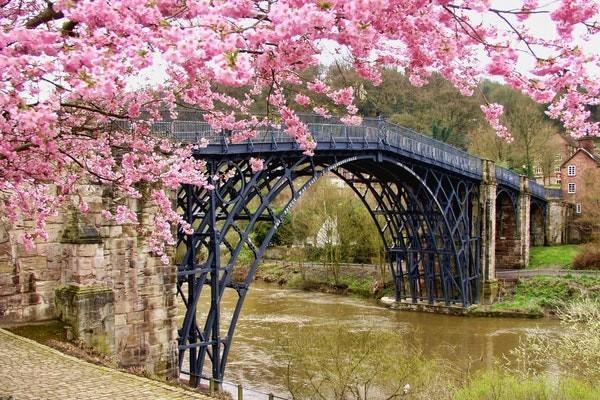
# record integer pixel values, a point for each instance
(487, 220)
(98, 277)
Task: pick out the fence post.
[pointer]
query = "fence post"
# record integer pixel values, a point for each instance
(240, 392)
(271, 397)
(211, 386)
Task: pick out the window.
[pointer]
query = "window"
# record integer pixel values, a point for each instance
(558, 181)
(571, 188)
(557, 169)
(538, 170)
(578, 208)
(571, 170)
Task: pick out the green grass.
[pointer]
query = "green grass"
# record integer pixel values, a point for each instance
(493, 385)
(357, 286)
(553, 256)
(541, 293)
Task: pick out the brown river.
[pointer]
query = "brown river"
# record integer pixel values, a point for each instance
(271, 313)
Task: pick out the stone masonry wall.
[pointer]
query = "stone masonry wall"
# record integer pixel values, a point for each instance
(508, 243)
(556, 218)
(98, 277)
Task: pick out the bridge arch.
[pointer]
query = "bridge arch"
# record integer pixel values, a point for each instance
(422, 215)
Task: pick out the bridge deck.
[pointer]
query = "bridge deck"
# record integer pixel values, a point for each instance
(333, 135)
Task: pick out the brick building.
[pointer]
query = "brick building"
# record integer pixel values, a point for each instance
(547, 170)
(574, 169)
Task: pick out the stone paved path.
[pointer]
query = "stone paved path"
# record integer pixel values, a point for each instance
(29, 370)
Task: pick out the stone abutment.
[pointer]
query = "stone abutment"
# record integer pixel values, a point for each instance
(98, 277)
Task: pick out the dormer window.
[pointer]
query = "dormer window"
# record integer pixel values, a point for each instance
(571, 170)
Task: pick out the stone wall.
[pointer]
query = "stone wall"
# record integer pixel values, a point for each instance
(98, 277)
(508, 242)
(28, 279)
(537, 224)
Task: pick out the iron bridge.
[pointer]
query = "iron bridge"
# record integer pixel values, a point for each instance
(421, 194)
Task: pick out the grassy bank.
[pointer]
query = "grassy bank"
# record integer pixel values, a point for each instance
(360, 281)
(543, 294)
(553, 256)
(533, 297)
(498, 385)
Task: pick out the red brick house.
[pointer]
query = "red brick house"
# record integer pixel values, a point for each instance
(547, 169)
(573, 172)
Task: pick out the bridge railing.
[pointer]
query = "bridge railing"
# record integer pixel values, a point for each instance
(334, 132)
(553, 193)
(508, 177)
(424, 146)
(536, 189)
(371, 131)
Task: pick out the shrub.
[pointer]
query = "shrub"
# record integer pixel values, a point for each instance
(589, 260)
(575, 353)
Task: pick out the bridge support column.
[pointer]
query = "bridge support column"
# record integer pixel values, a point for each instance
(487, 221)
(556, 222)
(524, 221)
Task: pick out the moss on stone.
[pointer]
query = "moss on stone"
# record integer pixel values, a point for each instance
(78, 232)
(101, 344)
(42, 332)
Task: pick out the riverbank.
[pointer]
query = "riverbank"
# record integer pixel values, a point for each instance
(534, 297)
(544, 294)
(363, 280)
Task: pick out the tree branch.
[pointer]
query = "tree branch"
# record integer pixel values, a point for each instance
(49, 14)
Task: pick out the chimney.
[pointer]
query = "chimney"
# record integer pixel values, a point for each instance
(587, 143)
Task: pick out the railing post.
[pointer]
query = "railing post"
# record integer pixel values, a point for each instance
(347, 138)
(224, 144)
(240, 392)
(273, 140)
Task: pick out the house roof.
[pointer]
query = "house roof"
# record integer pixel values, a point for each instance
(569, 139)
(594, 157)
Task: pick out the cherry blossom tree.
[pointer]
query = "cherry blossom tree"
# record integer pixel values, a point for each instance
(70, 68)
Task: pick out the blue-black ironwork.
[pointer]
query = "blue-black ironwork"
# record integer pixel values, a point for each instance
(421, 195)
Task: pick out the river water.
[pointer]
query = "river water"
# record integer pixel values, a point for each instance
(271, 314)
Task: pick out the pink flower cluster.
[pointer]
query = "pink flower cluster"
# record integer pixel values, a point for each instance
(492, 113)
(69, 70)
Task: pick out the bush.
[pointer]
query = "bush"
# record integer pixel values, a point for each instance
(575, 353)
(589, 259)
(350, 364)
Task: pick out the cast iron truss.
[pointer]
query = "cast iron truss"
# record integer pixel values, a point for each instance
(423, 215)
(421, 194)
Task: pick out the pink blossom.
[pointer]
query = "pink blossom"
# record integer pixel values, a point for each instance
(352, 120)
(66, 96)
(343, 96)
(256, 164)
(302, 99)
(322, 111)
(492, 113)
